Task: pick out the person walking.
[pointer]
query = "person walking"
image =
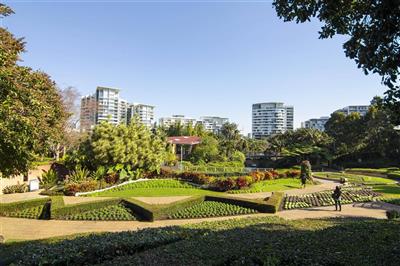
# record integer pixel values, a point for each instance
(303, 178)
(337, 197)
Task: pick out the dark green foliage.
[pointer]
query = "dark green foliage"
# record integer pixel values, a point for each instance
(393, 215)
(210, 209)
(372, 29)
(392, 201)
(93, 249)
(249, 241)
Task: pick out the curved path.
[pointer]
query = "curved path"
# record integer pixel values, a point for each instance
(325, 185)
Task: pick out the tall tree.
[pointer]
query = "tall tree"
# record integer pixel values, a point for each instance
(31, 110)
(372, 27)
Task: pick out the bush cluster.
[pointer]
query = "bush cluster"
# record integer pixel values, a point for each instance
(19, 188)
(71, 189)
(393, 215)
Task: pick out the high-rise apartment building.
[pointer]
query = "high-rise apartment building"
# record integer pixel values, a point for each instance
(213, 123)
(109, 105)
(88, 113)
(361, 109)
(144, 112)
(316, 123)
(184, 121)
(106, 105)
(271, 118)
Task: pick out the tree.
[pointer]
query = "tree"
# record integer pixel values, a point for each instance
(305, 172)
(124, 148)
(31, 110)
(207, 151)
(230, 139)
(373, 30)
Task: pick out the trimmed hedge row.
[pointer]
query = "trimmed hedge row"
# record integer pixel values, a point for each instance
(160, 212)
(6, 209)
(61, 211)
(55, 207)
(271, 205)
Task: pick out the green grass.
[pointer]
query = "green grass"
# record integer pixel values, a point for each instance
(353, 178)
(155, 188)
(156, 192)
(248, 241)
(388, 191)
(271, 186)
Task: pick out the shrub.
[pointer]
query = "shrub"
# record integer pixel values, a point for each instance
(293, 174)
(72, 188)
(225, 184)
(61, 170)
(49, 178)
(257, 176)
(78, 175)
(244, 181)
(111, 178)
(393, 215)
(282, 175)
(269, 175)
(19, 188)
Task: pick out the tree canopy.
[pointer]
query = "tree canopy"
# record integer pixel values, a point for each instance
(372, 27)
(31, 109)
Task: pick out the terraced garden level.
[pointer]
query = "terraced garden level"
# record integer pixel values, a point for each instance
(211, 209)
(325, 198)
(109, 213)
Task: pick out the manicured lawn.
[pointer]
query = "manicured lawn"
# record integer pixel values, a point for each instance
(248, 241)
(272, 185)
(352, 178)
(155, 192)
(388, 191)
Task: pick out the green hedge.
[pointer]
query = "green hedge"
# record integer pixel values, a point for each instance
(275, 201)
(160, 212)
(7, 208)
(60, 211)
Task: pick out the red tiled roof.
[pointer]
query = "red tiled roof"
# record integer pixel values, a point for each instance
(184, 140)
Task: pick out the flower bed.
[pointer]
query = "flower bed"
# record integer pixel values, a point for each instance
(325, 198)
(211, 209)
(109, 213)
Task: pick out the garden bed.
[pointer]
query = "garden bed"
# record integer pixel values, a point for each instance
(324, 198)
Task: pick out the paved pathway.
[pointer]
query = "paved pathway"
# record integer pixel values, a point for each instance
(325, 185)
(8, 198)
(25, 229)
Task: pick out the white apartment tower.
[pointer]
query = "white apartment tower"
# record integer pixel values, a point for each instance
(88, 113)
(213, 123)
(109, 105)
(316, 123)
(106, 105)
(169, 121)
(144, 112)
(361, 109)
(271, 118)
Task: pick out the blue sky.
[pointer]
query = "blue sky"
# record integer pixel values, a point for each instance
(191, 57)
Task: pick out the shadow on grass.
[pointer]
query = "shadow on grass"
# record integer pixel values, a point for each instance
(261, 241)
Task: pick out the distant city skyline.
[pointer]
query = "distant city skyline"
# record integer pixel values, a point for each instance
(196, 59)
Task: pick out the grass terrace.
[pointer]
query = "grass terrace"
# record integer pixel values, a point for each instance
(355, 178)
(271, 186)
